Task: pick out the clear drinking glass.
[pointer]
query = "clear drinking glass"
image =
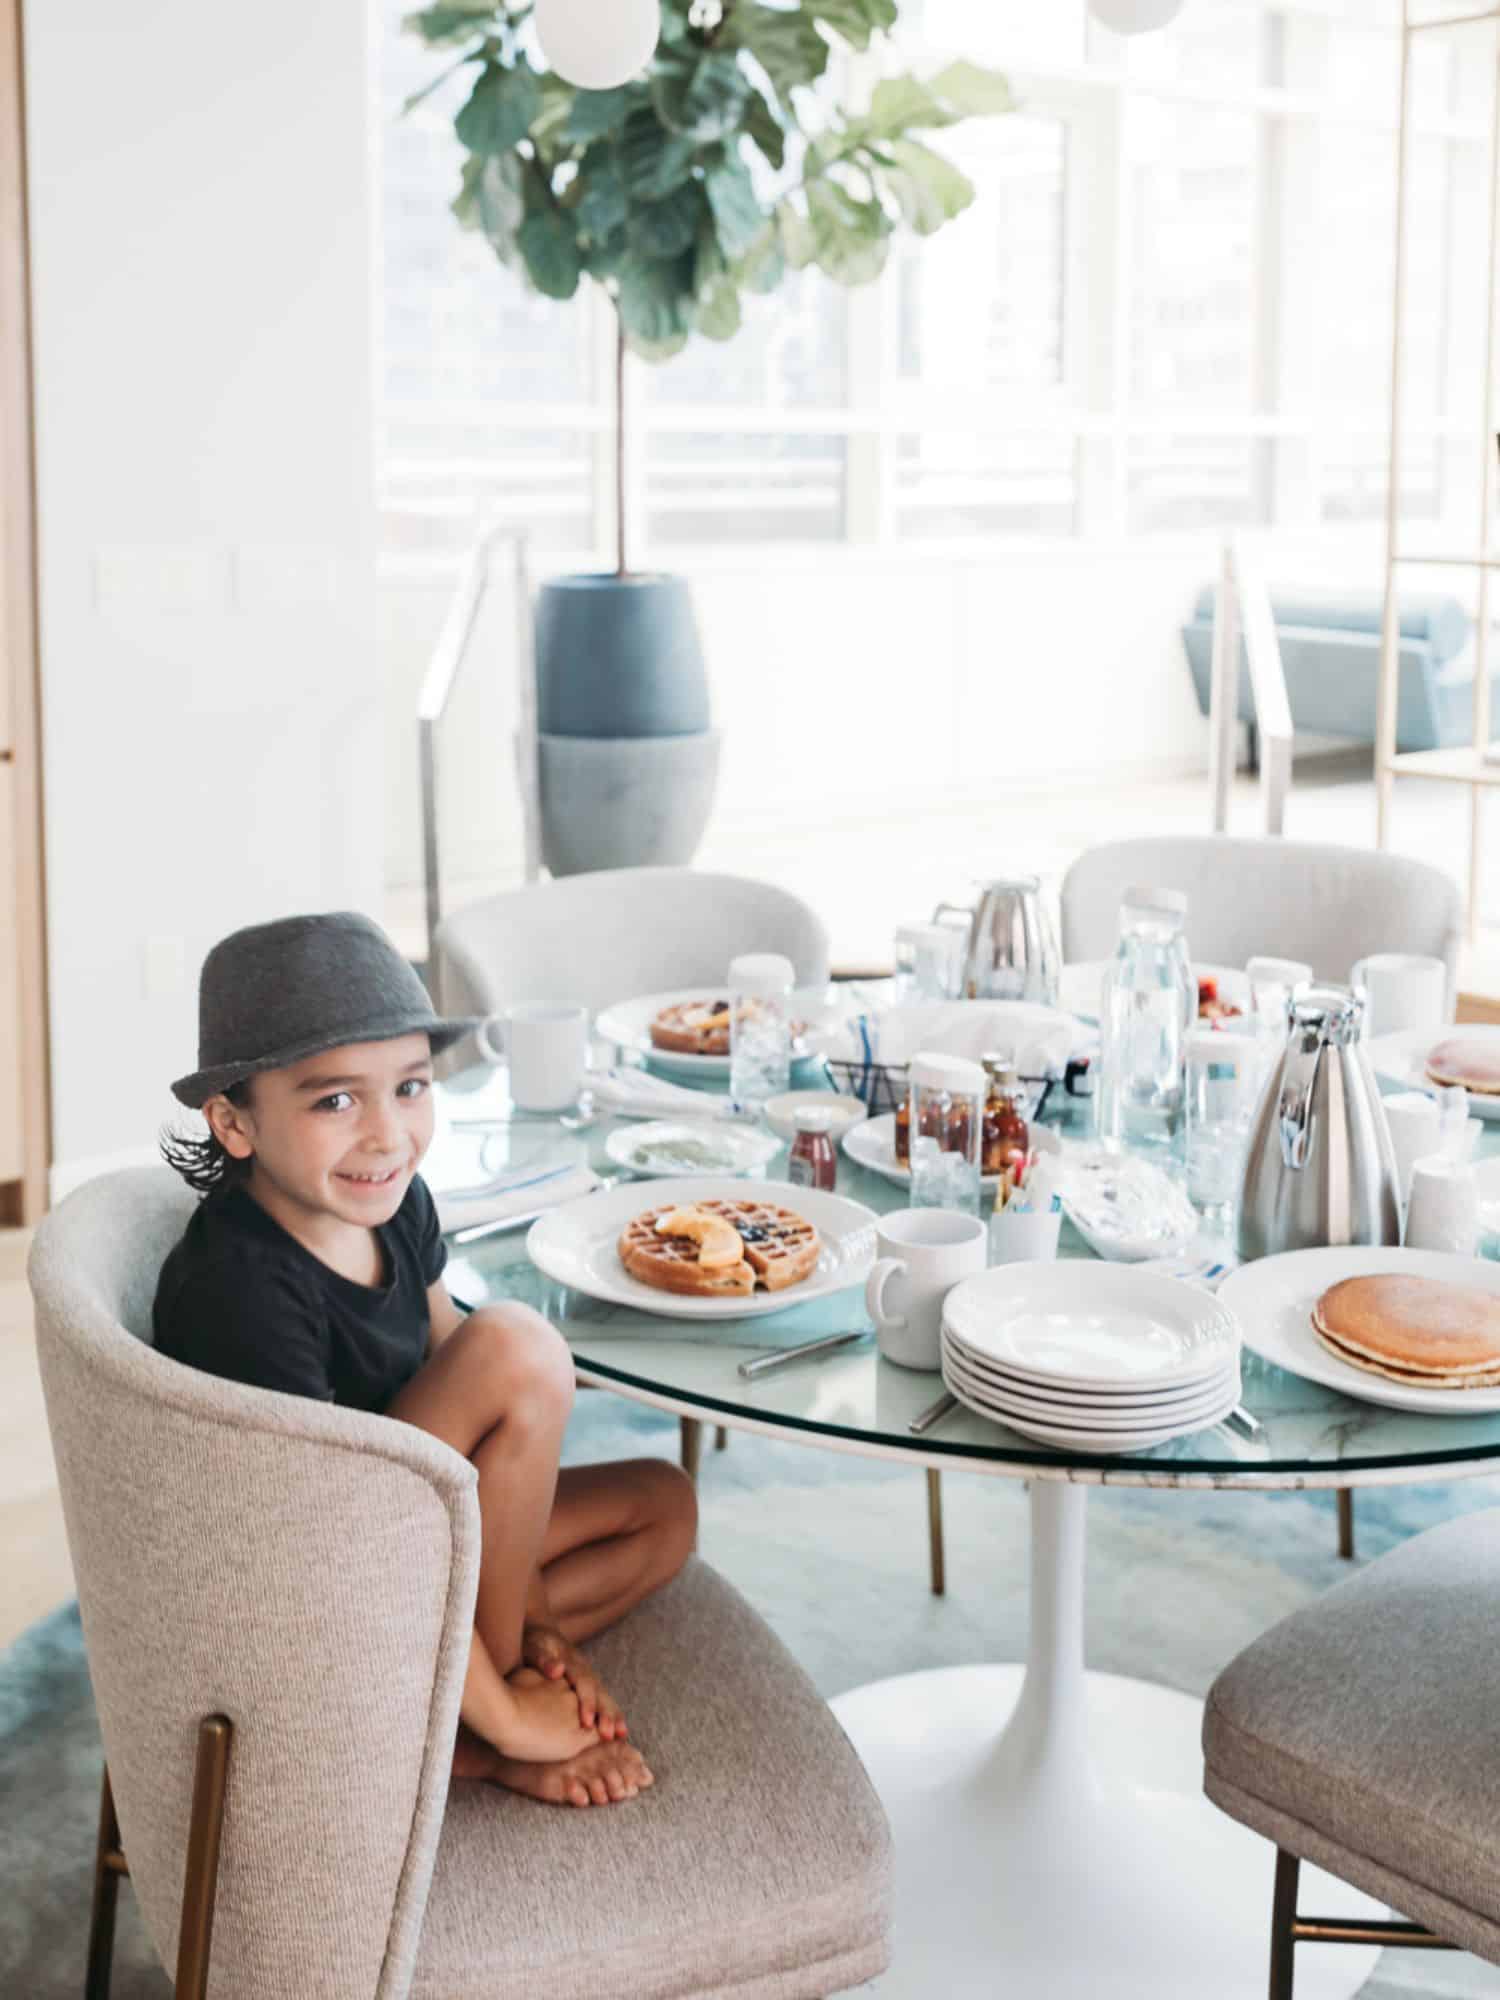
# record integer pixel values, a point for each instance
(760, 1026)
(929, 962)
(1219, 1072)
(1150, 998)
(947, 1113)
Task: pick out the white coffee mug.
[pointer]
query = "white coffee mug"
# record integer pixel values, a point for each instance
(546, 1048)
(1402, 991)
(1416, 1124)
(921, 1254)
(1443, 1212)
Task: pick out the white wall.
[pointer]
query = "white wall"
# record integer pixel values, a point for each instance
(200, 213)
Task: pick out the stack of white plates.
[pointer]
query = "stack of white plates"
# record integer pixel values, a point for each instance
(1091, 1357)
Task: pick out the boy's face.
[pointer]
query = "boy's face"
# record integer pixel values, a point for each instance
(340, 1133)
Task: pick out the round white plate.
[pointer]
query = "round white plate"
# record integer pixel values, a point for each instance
(627, 1023)
(1274, 1298)
(1403, 1059)
(575, 1245)
(671, 1146)
(872, 1143)
(1080, 1416)
(1127, 1402)
(1066, 1438)
(1093, 1324)
(1080, 988)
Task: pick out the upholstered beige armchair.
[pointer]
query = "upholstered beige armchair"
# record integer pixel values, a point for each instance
(277, 1595)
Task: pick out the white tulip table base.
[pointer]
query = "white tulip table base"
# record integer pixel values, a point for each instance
(1052, 1837)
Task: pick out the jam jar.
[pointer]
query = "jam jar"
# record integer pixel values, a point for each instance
(902, 1135)
(812, 1162)
(1006, 1138)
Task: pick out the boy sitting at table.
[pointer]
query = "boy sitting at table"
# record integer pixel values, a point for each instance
(314, 1265)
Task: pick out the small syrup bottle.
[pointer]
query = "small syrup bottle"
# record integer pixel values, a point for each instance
(902, 1136)
(1006, 1139)
(812, 1162)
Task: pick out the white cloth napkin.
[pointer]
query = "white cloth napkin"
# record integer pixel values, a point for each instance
(1039, 1039)
(519, 1190)
(635, 1093)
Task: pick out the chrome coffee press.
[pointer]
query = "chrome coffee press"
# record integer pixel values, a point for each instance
(1320, 1168)
(1012, 951)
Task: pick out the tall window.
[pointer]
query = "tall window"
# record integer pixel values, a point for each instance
(1168, 309)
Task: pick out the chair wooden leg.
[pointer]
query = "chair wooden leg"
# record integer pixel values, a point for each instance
(201, 1879)
(1283, 1918)
(935, 1530)
(721, 1438)
(691, 1431)
(1346, 1523)
(108, 1868)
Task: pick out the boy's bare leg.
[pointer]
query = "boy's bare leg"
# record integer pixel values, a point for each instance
(499, 1390)
(618, 1532)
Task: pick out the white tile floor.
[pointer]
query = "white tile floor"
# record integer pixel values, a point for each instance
(867, 872)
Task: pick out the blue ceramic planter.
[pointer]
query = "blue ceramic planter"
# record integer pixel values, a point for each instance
(634, 802)
(619, 657)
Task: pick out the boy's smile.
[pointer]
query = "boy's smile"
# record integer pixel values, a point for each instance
(334, 1140)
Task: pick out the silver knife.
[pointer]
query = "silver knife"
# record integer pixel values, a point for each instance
(933, 1414)
(751, 1369)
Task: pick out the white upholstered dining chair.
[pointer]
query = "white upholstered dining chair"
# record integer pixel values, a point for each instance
(277, 1599)
(1325, 906)
(589, 940)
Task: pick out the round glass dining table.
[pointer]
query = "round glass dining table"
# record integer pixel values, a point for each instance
(1051, 1834)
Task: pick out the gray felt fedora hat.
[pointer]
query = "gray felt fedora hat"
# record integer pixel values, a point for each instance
(274, 993)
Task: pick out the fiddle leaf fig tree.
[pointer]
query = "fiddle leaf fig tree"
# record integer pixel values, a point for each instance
(711, 175)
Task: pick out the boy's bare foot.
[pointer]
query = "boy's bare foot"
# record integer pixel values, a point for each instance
(557, 1658)
(605, 1774)
(543, 1724)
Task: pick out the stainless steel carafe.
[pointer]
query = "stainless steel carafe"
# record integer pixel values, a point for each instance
(1012, 952)
(1320, 1167)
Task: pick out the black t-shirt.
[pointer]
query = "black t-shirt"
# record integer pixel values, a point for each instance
(240, 1297)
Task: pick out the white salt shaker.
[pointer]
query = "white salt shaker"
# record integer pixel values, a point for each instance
(1442, 1210)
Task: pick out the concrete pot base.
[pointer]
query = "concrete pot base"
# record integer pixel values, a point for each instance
(624, 802)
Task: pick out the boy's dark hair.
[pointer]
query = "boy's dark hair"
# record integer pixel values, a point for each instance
(203, 1163)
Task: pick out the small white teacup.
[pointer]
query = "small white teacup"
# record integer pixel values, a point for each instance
(1443, 1212)
(546, 1048)
(921, 1254)
(1416, 1127)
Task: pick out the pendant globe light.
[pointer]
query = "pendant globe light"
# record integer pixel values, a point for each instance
(1133, 17)
(597, 44)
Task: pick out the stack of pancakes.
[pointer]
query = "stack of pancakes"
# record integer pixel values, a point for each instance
(1419, 1331)
(1474, 1064)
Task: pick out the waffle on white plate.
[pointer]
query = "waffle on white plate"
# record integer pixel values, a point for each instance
(718, 1248)
(693, 1028)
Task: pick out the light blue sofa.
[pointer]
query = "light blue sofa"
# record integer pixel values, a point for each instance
(1330, 650)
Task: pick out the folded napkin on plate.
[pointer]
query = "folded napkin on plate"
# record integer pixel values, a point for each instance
(520, 1190)
(635, 1093)
(1039, 1039)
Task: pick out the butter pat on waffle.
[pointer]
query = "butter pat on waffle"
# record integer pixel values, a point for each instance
(687, 1249)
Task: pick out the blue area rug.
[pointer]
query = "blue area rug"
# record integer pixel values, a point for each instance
(833, 1551)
